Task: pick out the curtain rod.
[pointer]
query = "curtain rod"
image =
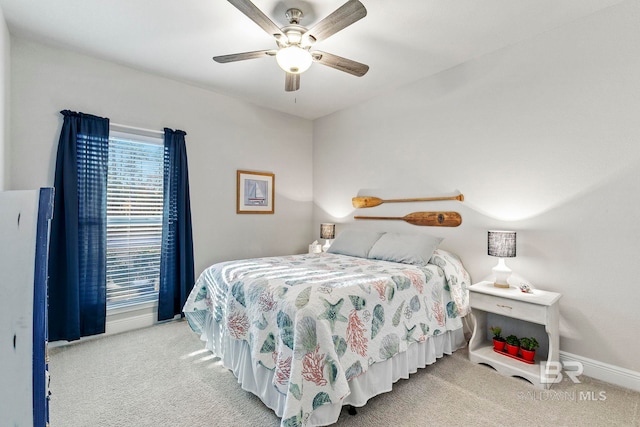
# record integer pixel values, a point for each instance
(143, 131)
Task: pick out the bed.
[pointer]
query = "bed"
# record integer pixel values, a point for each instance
(310, 333)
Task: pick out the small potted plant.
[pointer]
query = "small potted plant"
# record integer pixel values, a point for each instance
(498, 339)
(528, 347)
(513, 345)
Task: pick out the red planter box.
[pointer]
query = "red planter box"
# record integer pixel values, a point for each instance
(522, 359)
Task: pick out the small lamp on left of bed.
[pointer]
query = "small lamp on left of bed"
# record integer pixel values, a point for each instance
(328, 232)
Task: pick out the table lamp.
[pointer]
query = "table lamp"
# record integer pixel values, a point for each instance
(328, 232)
(502, 244)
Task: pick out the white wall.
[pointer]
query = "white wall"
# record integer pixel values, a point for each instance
(223, 135)
(5, 61)
(541, 137)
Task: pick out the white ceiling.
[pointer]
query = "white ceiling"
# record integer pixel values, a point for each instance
(402, 41)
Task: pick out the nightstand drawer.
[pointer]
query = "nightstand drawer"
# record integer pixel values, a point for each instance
(507, 307)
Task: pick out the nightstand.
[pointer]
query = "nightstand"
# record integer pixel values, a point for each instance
(521, 314)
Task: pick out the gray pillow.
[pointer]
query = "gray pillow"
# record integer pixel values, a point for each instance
(354, 242)
(413, 249)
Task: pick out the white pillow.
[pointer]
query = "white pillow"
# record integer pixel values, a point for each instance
(413, 249)
(354, 242)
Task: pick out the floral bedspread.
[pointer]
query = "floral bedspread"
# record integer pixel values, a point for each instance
(318, 320)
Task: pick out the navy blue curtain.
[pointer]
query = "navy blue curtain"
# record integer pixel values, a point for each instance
(176, 262)
(77, 255)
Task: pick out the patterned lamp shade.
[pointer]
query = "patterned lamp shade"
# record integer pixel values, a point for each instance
(327, 231)
(502, 244)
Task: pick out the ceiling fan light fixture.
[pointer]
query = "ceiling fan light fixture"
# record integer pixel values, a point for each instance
(294, 59)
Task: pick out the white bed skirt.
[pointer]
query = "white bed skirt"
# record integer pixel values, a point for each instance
(379, 378)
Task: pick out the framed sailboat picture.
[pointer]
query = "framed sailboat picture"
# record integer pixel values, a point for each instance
(255, 192)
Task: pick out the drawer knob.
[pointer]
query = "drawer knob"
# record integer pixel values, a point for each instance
(504, 306)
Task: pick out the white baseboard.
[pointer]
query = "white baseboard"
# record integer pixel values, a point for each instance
(122, 324)
(130, 323)
(603, 371)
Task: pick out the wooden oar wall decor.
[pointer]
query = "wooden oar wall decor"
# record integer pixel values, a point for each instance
(370, 201)
(442, 219)
(435, 218)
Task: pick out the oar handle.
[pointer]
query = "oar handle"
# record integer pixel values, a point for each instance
(377, 217)
(459, 197)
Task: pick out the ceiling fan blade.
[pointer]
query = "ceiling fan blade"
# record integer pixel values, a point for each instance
(291, 82)
(242, 56)
(257, 16)
(341, 18)
(339, 63)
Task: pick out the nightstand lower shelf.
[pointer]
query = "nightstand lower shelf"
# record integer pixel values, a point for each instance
(508, 366)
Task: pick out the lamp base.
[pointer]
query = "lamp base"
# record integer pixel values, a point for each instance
(502, 273)
(327, 245)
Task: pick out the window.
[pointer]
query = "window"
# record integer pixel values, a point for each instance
(134, 218)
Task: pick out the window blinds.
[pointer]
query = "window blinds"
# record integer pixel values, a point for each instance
(134, 219)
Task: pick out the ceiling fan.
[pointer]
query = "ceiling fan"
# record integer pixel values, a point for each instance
(294, 54)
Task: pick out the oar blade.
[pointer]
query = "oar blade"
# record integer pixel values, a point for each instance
(366, 202)
(437, 219)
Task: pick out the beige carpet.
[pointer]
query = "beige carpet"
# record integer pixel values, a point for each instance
(161, 376)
